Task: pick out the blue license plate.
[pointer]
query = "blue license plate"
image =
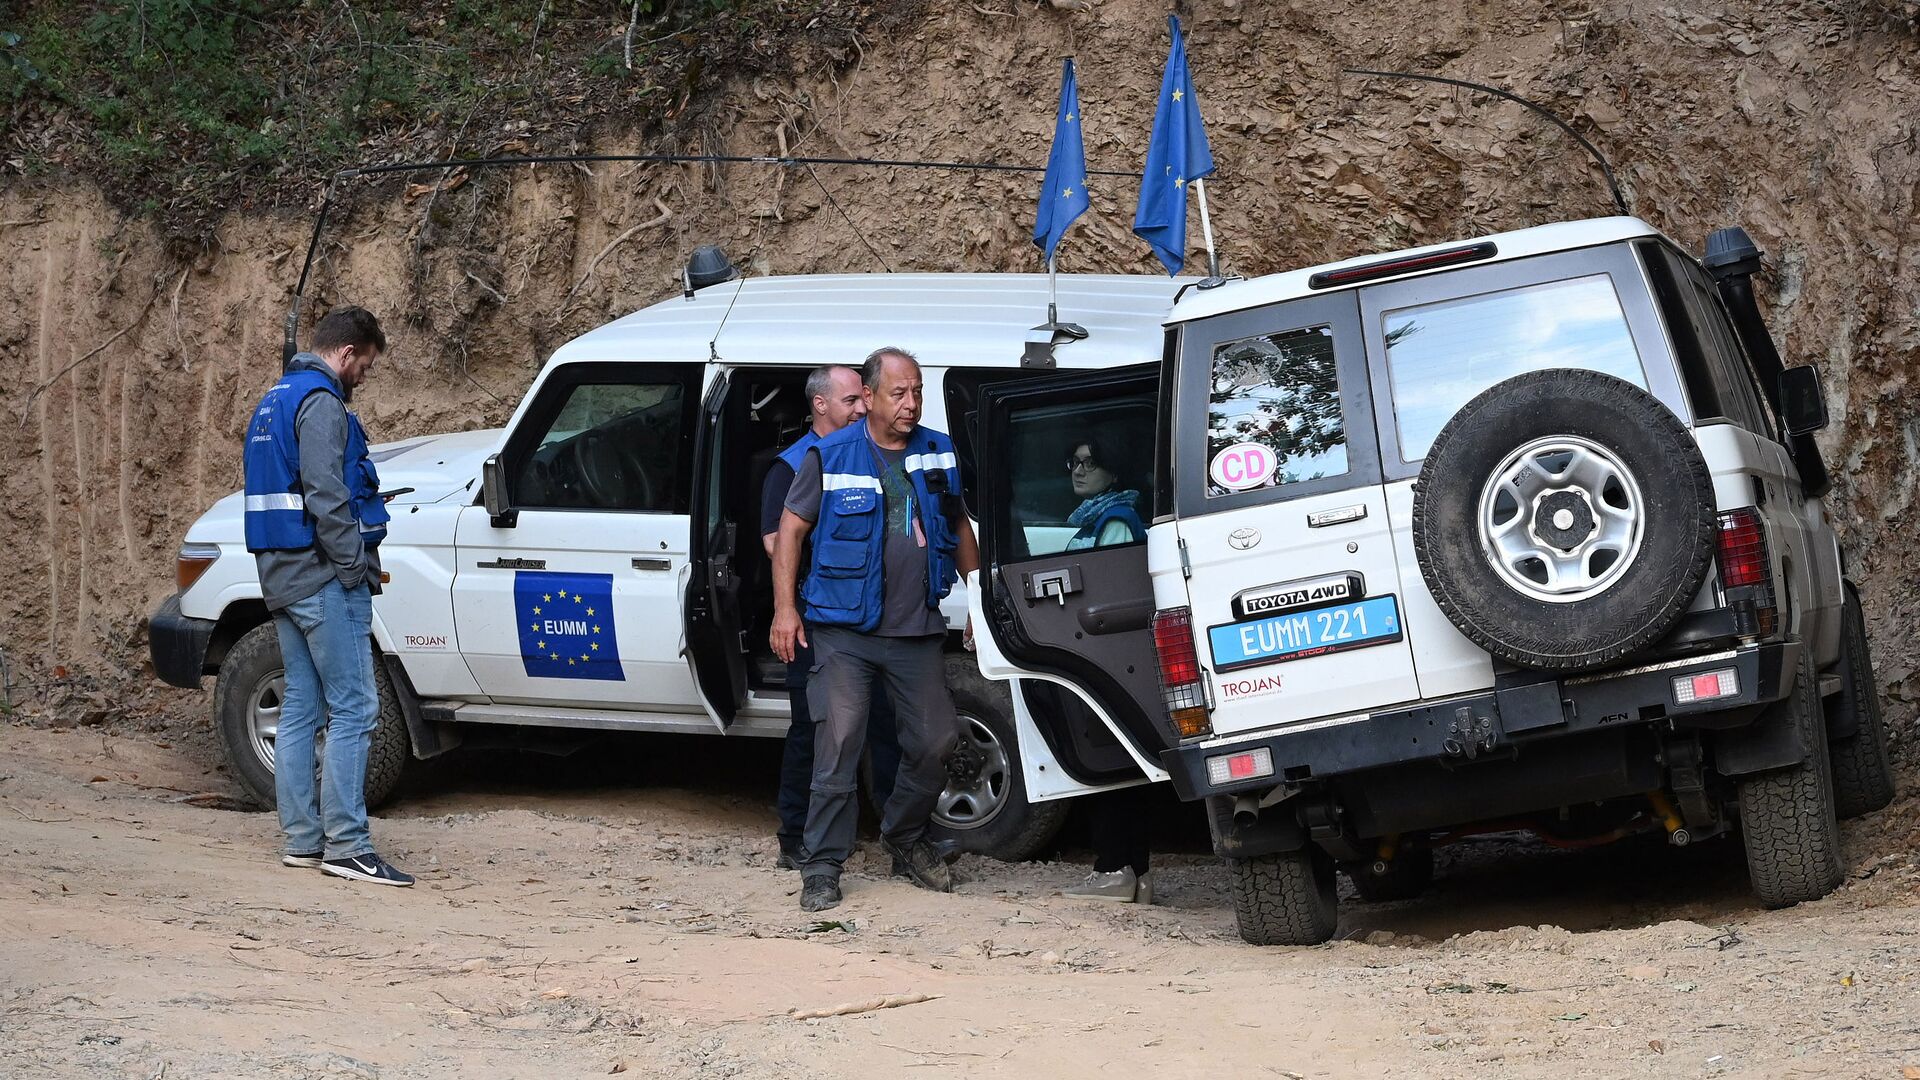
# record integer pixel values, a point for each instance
(1299, 634)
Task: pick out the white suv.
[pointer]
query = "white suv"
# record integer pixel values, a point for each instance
(596, 564)
(1522, 532)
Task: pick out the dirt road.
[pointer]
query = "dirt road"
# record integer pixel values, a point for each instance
(622, 914)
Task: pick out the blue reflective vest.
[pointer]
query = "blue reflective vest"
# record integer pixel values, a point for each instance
(1090, 535)
(844, 586)
(276, 509)
(794, 455)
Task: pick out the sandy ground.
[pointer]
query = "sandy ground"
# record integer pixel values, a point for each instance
(619, 912)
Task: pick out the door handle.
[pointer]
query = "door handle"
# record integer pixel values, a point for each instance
(1338, 516)
(1057, 583)
(652, 562)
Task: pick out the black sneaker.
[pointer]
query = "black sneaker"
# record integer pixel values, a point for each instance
(792, 855)
(818, 892)
(922, 862)
(369, 867)
(301, 862)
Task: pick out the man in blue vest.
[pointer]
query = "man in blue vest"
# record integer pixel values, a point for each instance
(834, 399)
(881, 501)
(314, 521)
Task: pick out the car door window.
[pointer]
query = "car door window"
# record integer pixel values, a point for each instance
(606, 440)
(1441, 355)
(1273, 412)
(1080, 475)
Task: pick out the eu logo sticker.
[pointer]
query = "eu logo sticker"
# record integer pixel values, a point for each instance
(566, 625)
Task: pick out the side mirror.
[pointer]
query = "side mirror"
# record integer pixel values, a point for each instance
(1803, 401)
(493, 493)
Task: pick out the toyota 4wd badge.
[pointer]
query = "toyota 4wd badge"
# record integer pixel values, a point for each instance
(1289, 595)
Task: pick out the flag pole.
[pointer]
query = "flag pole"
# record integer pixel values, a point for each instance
(1206, 229)
(1053, 295)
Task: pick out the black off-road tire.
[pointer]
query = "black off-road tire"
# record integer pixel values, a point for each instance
(1637, 608)
(1407, 876)
(255, 657)
(1787, 815)
(1019, 830)
(1285, 899)
(1862, 775)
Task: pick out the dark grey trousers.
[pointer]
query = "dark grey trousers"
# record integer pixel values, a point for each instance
(848, 667)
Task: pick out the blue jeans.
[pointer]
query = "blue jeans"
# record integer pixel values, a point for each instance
(324, 643)
(796, 757)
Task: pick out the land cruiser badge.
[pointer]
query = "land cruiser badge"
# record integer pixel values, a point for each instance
(1288, 595)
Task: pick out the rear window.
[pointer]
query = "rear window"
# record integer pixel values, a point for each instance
(1273, 412)
(1440, 355)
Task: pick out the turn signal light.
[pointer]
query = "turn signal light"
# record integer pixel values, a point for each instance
(1180, 677)
(191, 563)
(1746, 563)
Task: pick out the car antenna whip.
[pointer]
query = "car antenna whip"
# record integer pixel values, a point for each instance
(1613, 186)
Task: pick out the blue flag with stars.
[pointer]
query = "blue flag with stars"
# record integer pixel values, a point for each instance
(1176, 156)
(1063, 194)
(566, 625)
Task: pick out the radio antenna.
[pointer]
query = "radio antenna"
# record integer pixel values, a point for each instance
(1619, 200)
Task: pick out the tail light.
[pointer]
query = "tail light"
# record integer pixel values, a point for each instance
(1746, 568)
(1181, 688)
(192, 562)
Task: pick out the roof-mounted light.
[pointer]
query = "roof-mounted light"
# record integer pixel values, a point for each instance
(1402, 264)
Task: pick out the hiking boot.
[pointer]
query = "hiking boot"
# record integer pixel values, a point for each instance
(921, 861)
(818, 892)
(1118, 887)
(301, 862)
(370, 868)
(792, 855)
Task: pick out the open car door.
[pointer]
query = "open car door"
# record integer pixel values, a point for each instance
(712, 607)
(1065, 468)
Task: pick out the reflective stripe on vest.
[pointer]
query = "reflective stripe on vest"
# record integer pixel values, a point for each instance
(276, 518)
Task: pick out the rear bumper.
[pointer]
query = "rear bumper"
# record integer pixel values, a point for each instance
(1461, 729)
(178, 644)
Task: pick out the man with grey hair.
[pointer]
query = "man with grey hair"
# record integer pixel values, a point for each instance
(881, 500)
(834, 400)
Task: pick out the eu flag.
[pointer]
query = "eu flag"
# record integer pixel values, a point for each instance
(1177, 154)
(1063, 194)
(566, 625)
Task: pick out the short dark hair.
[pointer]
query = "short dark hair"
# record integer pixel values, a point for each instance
(353, 326)
(876, 362)
(1112, 451)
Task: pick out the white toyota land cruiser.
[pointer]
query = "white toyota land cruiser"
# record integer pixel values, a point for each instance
(596, 564)
(1523, 532)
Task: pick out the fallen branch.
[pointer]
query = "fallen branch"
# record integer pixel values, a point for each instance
(666, 215)
(891, 1001)
(30, 817)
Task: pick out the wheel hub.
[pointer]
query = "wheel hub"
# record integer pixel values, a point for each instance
(1561, 518)
(979, 778)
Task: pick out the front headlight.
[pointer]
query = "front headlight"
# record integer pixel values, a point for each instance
(192, 562)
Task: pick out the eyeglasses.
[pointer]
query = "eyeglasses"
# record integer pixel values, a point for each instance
(1081, 464)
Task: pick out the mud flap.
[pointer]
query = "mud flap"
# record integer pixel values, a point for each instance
(1770, 742)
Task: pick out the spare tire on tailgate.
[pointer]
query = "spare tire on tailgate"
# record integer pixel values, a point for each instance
(1564, 519)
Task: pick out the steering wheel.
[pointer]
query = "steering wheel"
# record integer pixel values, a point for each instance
(603, 476)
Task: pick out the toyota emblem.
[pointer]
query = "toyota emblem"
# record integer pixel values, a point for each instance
(1242, 539)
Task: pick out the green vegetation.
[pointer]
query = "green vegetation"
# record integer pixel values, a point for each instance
(181, 107)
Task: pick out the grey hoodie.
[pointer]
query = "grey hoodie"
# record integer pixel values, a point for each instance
(286, 577)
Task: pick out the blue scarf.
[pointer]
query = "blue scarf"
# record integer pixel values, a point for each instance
(1089, 512)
